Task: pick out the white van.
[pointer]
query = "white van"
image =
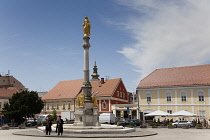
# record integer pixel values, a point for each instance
(107, 118)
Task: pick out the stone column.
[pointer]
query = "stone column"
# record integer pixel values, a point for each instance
(86, 88)
(90, 115)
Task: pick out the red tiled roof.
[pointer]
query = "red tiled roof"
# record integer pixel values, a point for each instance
(7, 93)
(70, 89)
(64, 89)
(105, 89)
(177, 77)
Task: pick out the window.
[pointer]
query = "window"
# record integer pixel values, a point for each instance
(69, 106)
(5, 102)
(202, 113)
(169, 111)
(104, 105)
(118, 94)
(52, 106)
(183, 96)
(168, 97)
(123, 95)
(48, 106)
(0, 105)
(64, 106)
(200, 96)
(149, 97)
(57, 106)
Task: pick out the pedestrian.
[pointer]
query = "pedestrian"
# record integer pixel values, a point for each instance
(204, 123)
(59, 127)
(209, 123)
(48, 128)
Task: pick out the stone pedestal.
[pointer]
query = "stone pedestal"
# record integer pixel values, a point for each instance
(79, 111)
(86, 115)
(91, 115)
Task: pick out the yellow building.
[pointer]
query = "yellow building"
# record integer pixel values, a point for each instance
(63, 96)
(176, 89)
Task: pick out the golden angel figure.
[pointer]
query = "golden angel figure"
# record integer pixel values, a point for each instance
(80, 100)
(94, 99)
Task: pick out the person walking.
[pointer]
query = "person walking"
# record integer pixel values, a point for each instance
(48, 128)
(204, 123)
(209, 123)
(59, 127)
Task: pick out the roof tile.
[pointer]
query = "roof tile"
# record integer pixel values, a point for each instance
(177, 77)
(7, 93)
(70, 89)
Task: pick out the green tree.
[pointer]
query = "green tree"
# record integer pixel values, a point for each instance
(54, 115)
(23, 105)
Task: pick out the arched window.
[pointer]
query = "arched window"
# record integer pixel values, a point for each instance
(57, 106)
(69, 106)
(183, 96)
(200, 95)
(52, 106)
(104, 105)
(48, 106)
(64, 106)
(168, 96)
(149, 97)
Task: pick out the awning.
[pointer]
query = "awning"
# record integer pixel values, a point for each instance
(158, 113)
(184, 113)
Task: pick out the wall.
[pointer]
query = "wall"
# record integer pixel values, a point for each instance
(192, 104)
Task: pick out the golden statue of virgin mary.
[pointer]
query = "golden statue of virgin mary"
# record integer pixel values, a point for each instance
(86, 27)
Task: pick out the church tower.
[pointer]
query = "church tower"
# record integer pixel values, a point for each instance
(95, 74)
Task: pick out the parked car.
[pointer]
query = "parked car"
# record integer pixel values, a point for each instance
(4, 120)
(133, 121)
(182, 123)
(31, 120)
(41, 118)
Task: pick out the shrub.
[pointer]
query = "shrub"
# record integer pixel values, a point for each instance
(157, 124)
(44, 123)
(39, 124)
(198, 125)
(152, 124)
(170, 123)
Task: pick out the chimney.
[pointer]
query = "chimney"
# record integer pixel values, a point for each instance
(102, 80)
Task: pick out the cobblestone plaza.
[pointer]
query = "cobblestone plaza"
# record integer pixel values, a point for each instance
(163, 134)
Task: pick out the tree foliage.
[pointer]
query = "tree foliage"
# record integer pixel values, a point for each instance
(23, 105)
(54, 115)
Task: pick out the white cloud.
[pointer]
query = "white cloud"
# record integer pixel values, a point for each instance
(167, 34)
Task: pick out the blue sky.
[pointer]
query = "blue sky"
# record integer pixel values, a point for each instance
(41, 40)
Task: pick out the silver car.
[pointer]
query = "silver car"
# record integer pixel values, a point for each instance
(182, 123)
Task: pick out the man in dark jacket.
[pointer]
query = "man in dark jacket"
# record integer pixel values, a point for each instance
(59, 126)
(48, 128)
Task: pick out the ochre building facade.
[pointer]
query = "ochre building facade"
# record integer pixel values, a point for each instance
(176, 89)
